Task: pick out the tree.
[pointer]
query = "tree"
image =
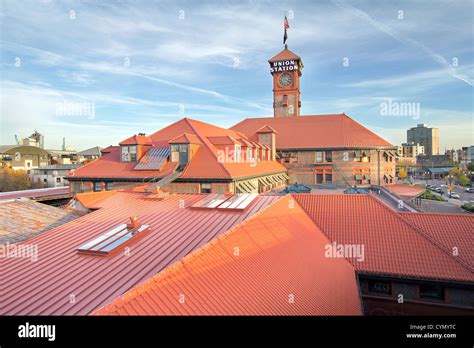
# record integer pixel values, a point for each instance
(402, 173)
(14, 180)
(463, 180)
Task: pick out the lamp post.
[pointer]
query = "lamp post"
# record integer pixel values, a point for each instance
(450, 188)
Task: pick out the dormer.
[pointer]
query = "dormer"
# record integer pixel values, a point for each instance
(267, 136)
(246, 150)
(229, 147)
(133, 148)
(183, 148)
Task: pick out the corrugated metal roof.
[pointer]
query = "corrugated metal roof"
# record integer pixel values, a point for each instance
(280, 269)
(37, 193)
(48, 285)
(23, 219)
(314, 131)
(392, 246)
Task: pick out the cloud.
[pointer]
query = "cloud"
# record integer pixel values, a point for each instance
(407, 41)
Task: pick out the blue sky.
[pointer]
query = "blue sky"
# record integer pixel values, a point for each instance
(143, 64)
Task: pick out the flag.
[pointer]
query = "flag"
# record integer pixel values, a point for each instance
(285, 26)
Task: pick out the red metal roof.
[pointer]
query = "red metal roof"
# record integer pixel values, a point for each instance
(110, 166)
(393, 246)
(315, 131)
(266, 129)
(205, 163)
(136, 140)
(280, 269)
(405, 191)
(453, 232)
(185, 138)
(36, 193)
(286, 54)
(23, 219)
(63, 282)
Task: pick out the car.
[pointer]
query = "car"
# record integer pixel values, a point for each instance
(455, 195)
(438, 190)
(443, 185)
(469, 190)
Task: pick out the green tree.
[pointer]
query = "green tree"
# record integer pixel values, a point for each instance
(463, 180)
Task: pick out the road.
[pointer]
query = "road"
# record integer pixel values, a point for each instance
(453, 205)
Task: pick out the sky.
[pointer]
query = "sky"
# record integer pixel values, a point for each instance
(97, 72)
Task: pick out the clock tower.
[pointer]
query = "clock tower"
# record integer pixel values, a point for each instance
(286, 68)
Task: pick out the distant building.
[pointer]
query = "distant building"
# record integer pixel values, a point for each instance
(89, 154)
(23, 157)
(425, 136)
(469, 154)
(410, 150)
(52, 175)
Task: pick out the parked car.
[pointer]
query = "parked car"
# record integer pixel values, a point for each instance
(439, 190)
(469, 190)
(455, 195)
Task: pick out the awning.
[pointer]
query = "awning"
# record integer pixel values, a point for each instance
(285, 176)
(358, 177)
(261, 182)
(274, 179)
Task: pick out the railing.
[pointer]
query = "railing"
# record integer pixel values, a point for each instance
(341, 173)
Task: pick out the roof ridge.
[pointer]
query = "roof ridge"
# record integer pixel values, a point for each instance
(143, 286)
(205, 142)
(435, 242)
(422, 233)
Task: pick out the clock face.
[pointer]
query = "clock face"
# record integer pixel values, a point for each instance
(285, 80)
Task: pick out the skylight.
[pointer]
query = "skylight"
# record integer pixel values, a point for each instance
(226, 201)
(117, 237)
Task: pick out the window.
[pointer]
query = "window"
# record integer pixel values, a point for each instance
(383, 288)
(45, 172)
(237, 153)
(319, 178)
(328, 178)
(45, 180)
(58, 180)
(109, 186)
(319, 157)
(249, 154)
(111, 240)
(432, 292)
(129, 153)
(285, 100)
(205, 188)
(328, 156)
(97, 186)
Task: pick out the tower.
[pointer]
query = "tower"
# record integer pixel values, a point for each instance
(286, 68)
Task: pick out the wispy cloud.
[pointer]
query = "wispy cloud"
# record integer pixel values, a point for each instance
(449, 68)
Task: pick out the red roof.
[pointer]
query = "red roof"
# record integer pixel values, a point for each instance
(205, 164)
(36, 193)
(280, 269)
(137, 140)
(60, 274)
(286, 54)
(110, 166)
(394, 245)
(450, 231)
(405, 191)
(266, 129)
(315, 131)
(185, 138)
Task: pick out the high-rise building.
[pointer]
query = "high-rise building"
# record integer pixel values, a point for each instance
(425, 136)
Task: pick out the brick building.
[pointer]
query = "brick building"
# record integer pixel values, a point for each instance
(188, 156)
(319, 149)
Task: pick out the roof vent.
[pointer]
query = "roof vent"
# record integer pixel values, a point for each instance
(112, 240)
